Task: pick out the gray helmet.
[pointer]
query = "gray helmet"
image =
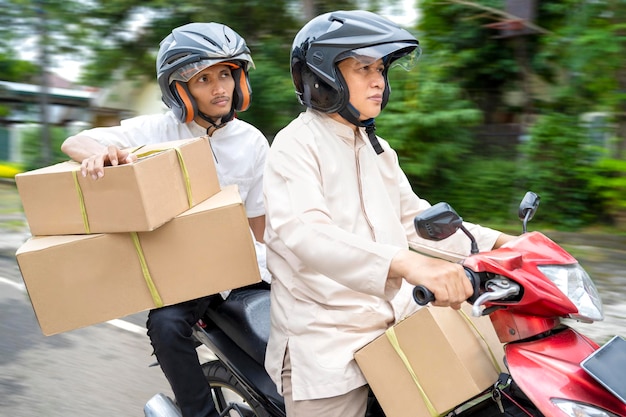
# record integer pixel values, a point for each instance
(191, 48)
(332, 37)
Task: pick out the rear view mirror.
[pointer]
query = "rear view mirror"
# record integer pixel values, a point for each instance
(437, 222)
(528, 208)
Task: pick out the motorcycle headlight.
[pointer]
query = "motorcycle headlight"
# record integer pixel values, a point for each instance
(575, 409)
(576, 284)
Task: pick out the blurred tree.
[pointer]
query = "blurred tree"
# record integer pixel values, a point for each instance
(557, 164)
(428, 121)
(21, 23)
(17, 70)
(590, 47)
(32, 151)
(485, 58)
(274, 101)
(120, 38)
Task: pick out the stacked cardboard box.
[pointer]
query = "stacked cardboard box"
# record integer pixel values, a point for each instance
(431, 362)
(167, 179)
(160, 242)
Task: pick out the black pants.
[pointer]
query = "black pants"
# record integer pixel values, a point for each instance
(170, 329)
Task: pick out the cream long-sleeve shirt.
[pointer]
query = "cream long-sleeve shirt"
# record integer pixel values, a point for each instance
(336, 214)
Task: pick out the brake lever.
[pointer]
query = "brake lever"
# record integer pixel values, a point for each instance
(497, 289)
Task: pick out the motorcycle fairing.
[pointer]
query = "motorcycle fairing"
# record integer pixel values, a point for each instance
(550, 368)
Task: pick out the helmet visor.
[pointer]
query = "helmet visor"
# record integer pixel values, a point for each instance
(187, 72)
(402, 54)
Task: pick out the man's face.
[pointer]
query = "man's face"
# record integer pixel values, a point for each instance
(364, 77)
(213, 89)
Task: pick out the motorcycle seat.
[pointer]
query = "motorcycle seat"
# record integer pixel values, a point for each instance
(245, 317)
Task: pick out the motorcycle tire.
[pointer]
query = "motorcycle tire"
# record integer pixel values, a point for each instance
(227, 391)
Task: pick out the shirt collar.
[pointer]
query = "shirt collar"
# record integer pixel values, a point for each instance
(344, 131)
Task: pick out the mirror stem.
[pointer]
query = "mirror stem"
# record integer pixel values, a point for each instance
(474, 244)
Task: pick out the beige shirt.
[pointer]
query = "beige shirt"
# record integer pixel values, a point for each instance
(337, 213)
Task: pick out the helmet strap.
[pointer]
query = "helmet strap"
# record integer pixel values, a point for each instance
(351, 114)
(370, 129)
(223, 120)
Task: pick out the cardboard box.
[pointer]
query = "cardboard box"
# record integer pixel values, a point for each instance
(449, 359)
(132, 197)
(79, 280)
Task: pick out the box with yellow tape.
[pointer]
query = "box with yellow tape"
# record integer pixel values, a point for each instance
(167, 179)
(432, 361)
(78, 280)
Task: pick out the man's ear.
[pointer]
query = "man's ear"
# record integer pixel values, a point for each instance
(188, 104)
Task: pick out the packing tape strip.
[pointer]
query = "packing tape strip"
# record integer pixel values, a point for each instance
(81, 201)
(183, 168)
(471, 323)
(393, 339)
(156, 297)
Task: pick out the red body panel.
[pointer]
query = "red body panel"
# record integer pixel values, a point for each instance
(518, 260)
(549, 368)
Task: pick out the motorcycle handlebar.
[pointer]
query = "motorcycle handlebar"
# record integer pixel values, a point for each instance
(423, 295)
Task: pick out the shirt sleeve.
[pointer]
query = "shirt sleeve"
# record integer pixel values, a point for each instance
(140, 130)
(254, 200)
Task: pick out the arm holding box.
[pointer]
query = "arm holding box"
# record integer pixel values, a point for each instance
(94, 156)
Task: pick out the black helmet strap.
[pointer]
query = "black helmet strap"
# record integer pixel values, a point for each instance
(223, 120)
(370, 129)
(351, 114)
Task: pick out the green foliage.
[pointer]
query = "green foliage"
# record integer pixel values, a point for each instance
(484, 190)
(135, 53)
(32, 147)
(428, 123)
(463, 81)
(477, 61)
(274, 102)
(556, 164)
(16, 70)
(609, 181)
(590, 46)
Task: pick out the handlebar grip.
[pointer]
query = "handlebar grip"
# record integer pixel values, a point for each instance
(422, 295)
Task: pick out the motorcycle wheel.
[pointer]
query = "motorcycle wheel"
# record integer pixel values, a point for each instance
(227, 391)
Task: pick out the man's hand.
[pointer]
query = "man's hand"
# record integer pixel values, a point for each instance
(94, 164)
(446, 280)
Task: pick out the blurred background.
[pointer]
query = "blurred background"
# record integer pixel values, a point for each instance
(508, 96)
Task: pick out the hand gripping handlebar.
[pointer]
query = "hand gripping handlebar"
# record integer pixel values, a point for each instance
(423, 295)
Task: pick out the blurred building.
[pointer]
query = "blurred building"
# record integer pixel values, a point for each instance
(69, 106)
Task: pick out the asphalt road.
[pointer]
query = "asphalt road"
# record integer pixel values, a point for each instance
(104, 370)
(98, 371)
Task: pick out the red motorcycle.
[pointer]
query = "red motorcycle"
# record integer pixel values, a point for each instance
(526, 287)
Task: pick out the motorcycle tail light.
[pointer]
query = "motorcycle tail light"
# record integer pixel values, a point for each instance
(576, 409)
(576, 284)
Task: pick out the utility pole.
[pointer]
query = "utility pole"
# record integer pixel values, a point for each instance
(46, 148)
